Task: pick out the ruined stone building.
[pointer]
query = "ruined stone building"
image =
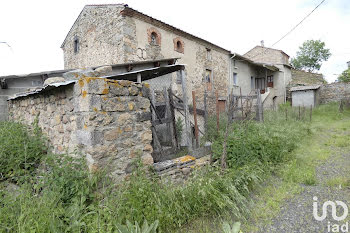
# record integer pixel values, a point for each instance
(116, 33)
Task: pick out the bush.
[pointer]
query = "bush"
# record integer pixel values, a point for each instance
(65, 197)
(20, 151)
(267, 143)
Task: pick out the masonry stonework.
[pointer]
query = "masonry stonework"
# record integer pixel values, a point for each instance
(98, 43)
(334, 92)
(267, 55)
(106, 121)
(121, 34)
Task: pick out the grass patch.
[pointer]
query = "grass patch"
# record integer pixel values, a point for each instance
(62, 196)
(312, 151)
(338, 182)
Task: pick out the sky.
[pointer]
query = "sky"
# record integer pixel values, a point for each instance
(36, 29)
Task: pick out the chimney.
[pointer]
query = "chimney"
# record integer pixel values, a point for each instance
(262, 43)
(348, 64)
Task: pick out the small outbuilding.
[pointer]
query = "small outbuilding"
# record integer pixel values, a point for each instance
(305, 96)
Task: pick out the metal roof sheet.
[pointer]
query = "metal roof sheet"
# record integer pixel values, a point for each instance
(304, 88)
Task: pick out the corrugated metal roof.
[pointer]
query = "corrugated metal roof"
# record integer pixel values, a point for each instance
(145, 73)
(304, 88)
(38, 90)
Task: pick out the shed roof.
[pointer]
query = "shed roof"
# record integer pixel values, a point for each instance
(305, 88)
(131, 76)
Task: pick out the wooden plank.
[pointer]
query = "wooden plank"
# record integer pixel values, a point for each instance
(172, 110)
(195, 118)
(205, 111)
(240, 92)
(153, 102)
(246, 96)
(168, 114)
(188, 131)
(217, 113)
(156, 143)
(162, 121)
(259, 110)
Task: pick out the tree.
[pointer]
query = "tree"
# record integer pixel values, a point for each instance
(345, 76)
(311, 55)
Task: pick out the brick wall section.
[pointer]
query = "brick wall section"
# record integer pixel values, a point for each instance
(334, 92)
(105, 120)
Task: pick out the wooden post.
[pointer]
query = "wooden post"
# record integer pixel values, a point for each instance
(299, 113)
(139, 80)
(240, 92)
(168, 114)
(172, 111)
(310, 112)
(259, 107)
(188, 133)
(205, 111)
(195, 117)
(156, 142)
(217, 112)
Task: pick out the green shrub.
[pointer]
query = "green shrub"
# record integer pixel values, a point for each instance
(267, 143)
(20, 151)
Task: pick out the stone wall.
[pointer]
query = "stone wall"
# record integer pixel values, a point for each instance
(101, 38)
(106, 121)
(304, 78)
(334, 92)
(111, 34)
(267, 55)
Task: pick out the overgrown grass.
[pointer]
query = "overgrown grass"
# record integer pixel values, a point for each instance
(301, 169)
(20, 151)
(62, 196)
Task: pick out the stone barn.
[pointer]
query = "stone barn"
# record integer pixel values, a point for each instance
(305, 96)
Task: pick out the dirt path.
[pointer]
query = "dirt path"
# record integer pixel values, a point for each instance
(332, 183)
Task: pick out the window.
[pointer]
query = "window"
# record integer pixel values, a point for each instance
(76, 45)
(270, 81)
(235, 79)
(208, 54)
(154, 37)
(208, 79)
(179, 45)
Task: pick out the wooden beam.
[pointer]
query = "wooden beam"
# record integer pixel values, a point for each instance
(188, 131)
(195, 117)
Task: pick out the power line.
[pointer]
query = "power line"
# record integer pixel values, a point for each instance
(4, 42)
(284, 36)
(299, 23)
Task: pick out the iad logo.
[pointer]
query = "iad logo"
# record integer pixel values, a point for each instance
(333, 205)
(334, 210)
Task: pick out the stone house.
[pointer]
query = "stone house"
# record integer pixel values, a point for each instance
(273, 83)
(116, 33)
